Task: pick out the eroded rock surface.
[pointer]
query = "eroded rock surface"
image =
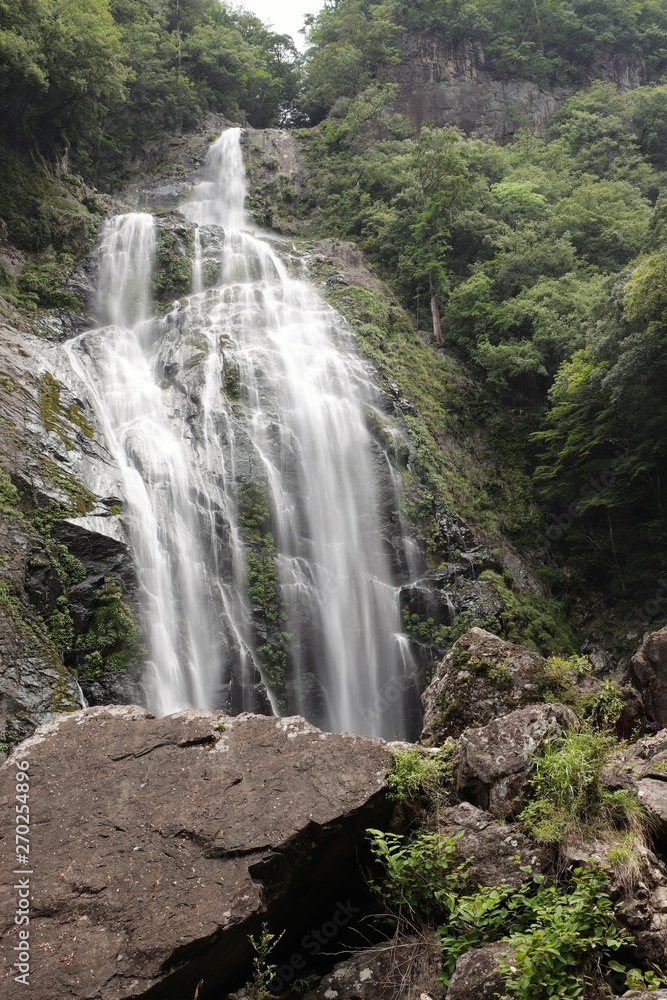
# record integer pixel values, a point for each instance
(60, 532)
(497, 852)
(453, 84)
(496, 762)
(643, 768)
(481, 678)
(160, 844)
(477, 975)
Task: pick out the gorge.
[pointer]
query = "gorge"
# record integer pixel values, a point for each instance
(333, 658)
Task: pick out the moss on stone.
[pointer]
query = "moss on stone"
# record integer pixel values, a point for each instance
(532, 620)
(254, 518)
(45, 212)
(254, 511)
(75, 416)
(79, 499)
(42, 282)
(115, 639)
(40, 642)
(231, 379)
(54, 418)
(10, 498)
(173, 276)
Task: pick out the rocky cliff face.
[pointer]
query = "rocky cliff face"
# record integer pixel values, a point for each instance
(448, 84)
(65, 558)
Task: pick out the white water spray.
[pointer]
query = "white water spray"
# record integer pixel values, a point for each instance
(255, 497)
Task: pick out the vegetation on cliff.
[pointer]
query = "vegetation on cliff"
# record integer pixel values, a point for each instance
(550, 41)
(543, 263)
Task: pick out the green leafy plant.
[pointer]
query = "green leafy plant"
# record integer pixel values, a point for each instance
(421, 877)
(649, 981)
(263, 971)
(115, 638)
(570, 932)
(557, 935)
(305, 984)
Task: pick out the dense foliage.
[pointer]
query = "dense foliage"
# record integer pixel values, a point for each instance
(558, 938)
(543, 263)
(106, 75)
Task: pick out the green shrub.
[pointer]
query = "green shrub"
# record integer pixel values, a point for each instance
(115, 638)
(570, 932)
(422, 877)
(558, 677)
(60, 625)
(419, 775)
(569, 798)
(557, 936)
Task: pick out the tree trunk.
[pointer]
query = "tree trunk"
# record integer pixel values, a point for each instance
(435, 313)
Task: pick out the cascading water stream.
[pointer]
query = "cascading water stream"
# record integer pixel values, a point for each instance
(255, 495)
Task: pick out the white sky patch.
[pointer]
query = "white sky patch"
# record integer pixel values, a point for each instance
(286, 16)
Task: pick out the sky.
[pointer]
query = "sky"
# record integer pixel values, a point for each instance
(285, 15)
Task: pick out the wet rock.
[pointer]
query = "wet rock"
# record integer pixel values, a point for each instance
(648, 672)
(477, 975)
(405, 967)
(339, 264)
(56, 460)
(496, 762)
(481, 678)
(163, 843)
(83, 281)
(497, 851)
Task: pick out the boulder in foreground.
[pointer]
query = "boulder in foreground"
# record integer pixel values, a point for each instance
(497, 762)
(158, 845)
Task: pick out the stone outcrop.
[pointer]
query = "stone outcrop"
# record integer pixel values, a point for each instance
(643, 768)
(497, 761)
(648, 672)
(59, 526)
(498, 853)
(160, 844)
(477, 975)
(405, 967)
(481, 678)
(454, 84)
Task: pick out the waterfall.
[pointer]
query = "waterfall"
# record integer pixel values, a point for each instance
(255, 495)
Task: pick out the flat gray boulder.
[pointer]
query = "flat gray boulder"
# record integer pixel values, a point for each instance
(158, 845)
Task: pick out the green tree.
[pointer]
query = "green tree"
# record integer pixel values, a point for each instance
(443, 183)
(61, 69)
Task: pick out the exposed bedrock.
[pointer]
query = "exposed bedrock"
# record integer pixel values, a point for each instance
(454, 84)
